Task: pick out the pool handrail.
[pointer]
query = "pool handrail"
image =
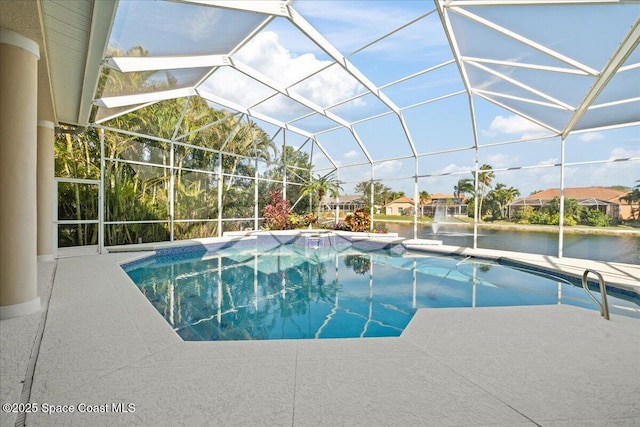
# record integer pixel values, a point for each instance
(604, 305)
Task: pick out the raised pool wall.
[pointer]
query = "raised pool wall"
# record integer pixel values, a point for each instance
(312, 240)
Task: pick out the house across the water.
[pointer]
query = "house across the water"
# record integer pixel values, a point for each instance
(605, 199)
(347, 203)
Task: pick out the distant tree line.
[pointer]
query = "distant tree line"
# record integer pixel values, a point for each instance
(493, 201)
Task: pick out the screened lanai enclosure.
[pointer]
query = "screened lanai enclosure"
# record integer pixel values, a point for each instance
(206, 111)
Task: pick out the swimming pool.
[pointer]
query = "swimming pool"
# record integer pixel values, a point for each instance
(291, 291)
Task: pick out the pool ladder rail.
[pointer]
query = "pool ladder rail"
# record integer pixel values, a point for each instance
(604, 305)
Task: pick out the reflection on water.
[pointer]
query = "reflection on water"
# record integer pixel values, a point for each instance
(623, 248)
(293, 293)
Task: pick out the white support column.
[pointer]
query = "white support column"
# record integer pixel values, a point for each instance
(372, 208)
(256, 208)
(337, 218)
(561, 219)
(310, 180)
(476, 211)
(220, 185)
(284, 166)
(101, 198)
(172, 184)
(45, 174)
(415, 200)
(18, 175)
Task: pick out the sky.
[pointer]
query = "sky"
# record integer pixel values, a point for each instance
(434, 107)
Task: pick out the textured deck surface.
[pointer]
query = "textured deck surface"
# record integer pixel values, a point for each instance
(103, 343)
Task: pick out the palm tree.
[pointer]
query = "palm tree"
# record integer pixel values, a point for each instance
(320, 186)
(464, 186)
(424, 198)
(633, 197)
(485, 176)
(503, 196)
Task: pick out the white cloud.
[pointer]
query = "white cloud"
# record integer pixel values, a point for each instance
(351, 154)
(269, 57)
(265, 53)
(516, 125)
(551, 161)
(624, 153)
(388, 169)
(591, 136)
(453, 168)
(499, 160)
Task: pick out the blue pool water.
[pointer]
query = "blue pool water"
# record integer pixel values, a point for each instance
(292, 292)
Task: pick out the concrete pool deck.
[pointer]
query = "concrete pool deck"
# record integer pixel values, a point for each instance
(103, 343)
(625, 276)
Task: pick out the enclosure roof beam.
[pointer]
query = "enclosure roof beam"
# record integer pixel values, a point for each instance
(537, 46)
(453, 44)
(625, 48)
(314, 35)
(129, 64)
(142, 98)
(267, 7)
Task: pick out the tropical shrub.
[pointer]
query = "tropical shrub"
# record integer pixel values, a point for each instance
(524, 214)
(360, 220)
(295, 220)
(595, 218)
(301, 221)
(341, 226)
(276, 213)
(539, 217)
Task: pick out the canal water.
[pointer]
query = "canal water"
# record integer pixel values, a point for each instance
(623, 248)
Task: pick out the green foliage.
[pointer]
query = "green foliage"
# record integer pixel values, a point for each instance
(138, 178)
(471, 208)
(540, 217)
(301, 221)
(524, 214)
(570, 221)
(463, 187)
(595, 218)
(319, 186)
(360, 220)
(499, 198)
(550, 213)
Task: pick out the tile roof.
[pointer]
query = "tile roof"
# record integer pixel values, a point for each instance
(439, 196)
(402, 199)
(579, 193)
